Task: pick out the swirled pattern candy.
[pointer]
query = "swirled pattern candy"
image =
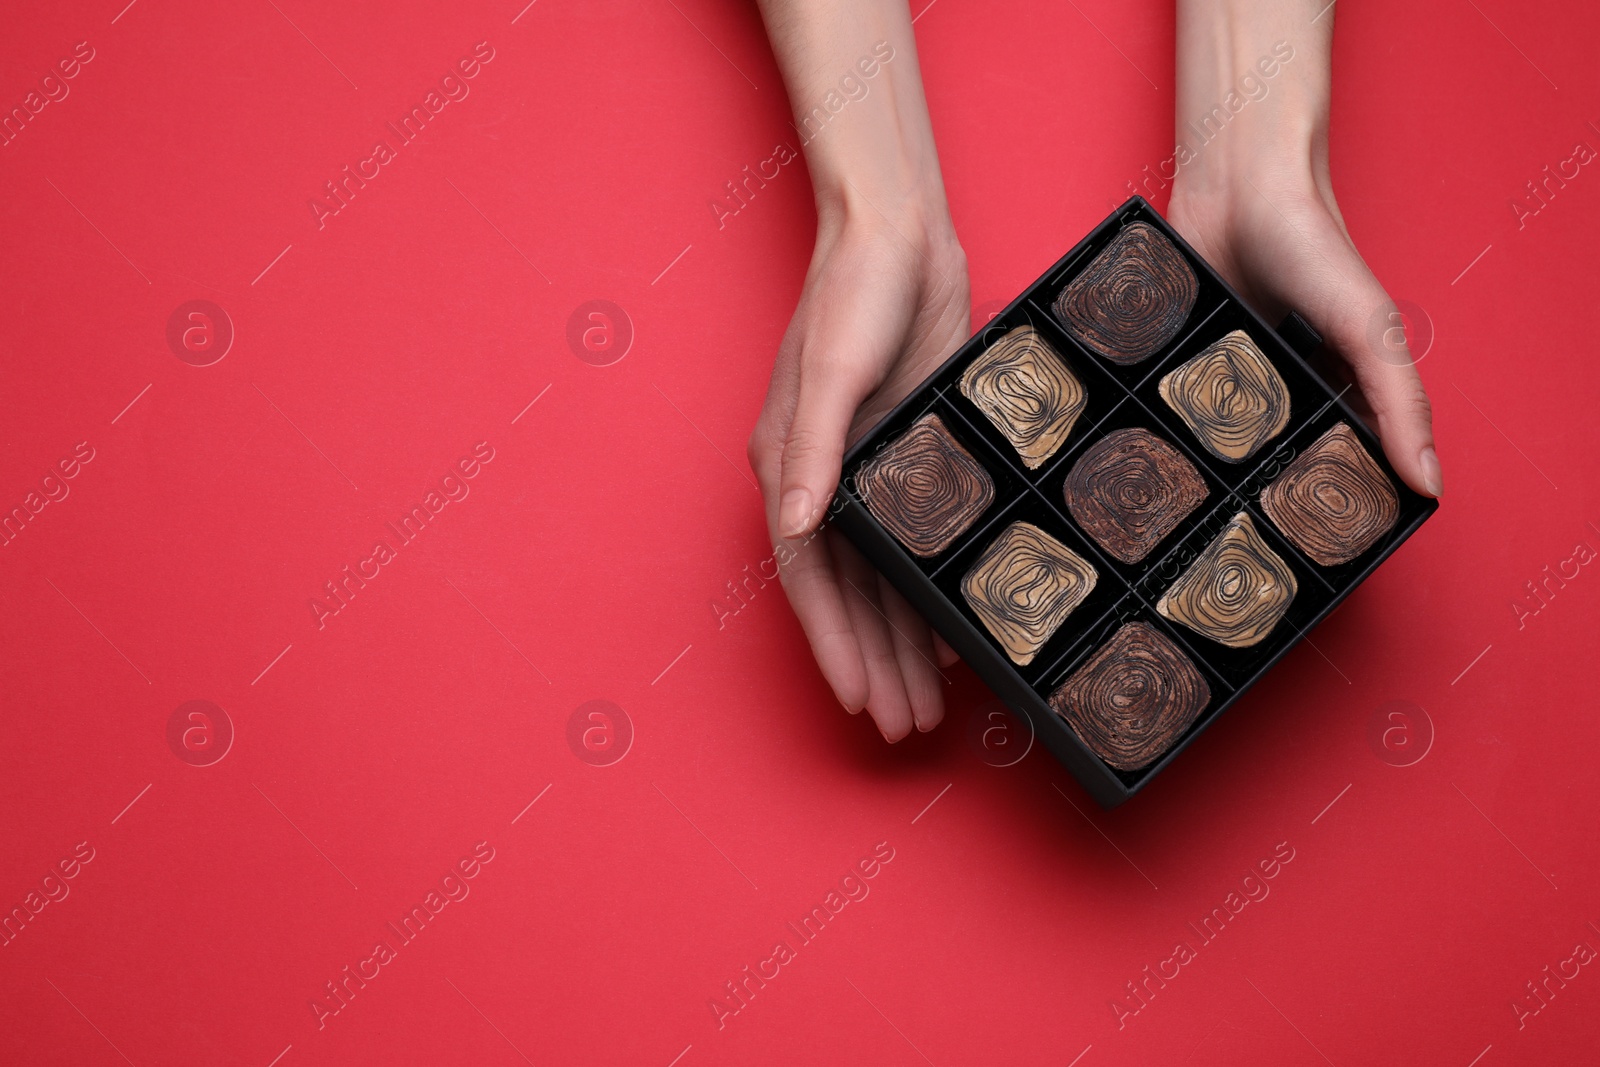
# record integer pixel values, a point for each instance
(1023, 387)
(1024, 586)
(1230, 396)
(925, 488)
(1235, 591)
(1132, 299)
(1133, 698)
(1130, 490)
(1333, 502)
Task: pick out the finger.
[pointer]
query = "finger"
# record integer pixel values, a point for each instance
(944, 655)
(887, 702)
(806, 569)
(858, 331)
(913, 648)
(1348, 305)
(1393, 389)
(831, 390)
(810, 582)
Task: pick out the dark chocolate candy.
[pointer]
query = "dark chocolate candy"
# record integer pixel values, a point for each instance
(1333, 502)
(1130, 490)
(1132, 299)
(925, 488)
(1133, 698)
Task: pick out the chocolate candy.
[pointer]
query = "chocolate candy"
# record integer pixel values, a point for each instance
(1235, 591)
(1131, 489)
(1024, 586)
(1023, 387)
(1230, 396)
(1132, 299)
(1333, 502)
(925, 488)
(1133, 698)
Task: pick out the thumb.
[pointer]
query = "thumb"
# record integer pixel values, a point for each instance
(831, 390)
(1344, 301)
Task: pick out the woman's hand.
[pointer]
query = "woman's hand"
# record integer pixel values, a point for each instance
(1257, 201)
(885, 301)
(883, 304)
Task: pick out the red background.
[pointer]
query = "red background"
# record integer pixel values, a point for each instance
(371, 755)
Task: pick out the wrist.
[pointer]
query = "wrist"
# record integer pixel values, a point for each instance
(909, 204)
(880, 169)
(1253, 95)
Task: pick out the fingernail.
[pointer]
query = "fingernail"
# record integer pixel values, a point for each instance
(794, 513)
(1432, 477)
(847, 707)
(923, 727)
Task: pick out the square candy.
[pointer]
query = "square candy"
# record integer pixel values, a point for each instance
(925, 488)
(1230, 396)
(1133, 698)
(1130, 490)
(1333, 502)
(1132, 299)
(1235, 591)
(1025, 389)
(1024, 586)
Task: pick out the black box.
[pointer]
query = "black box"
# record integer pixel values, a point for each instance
(1119, 396)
